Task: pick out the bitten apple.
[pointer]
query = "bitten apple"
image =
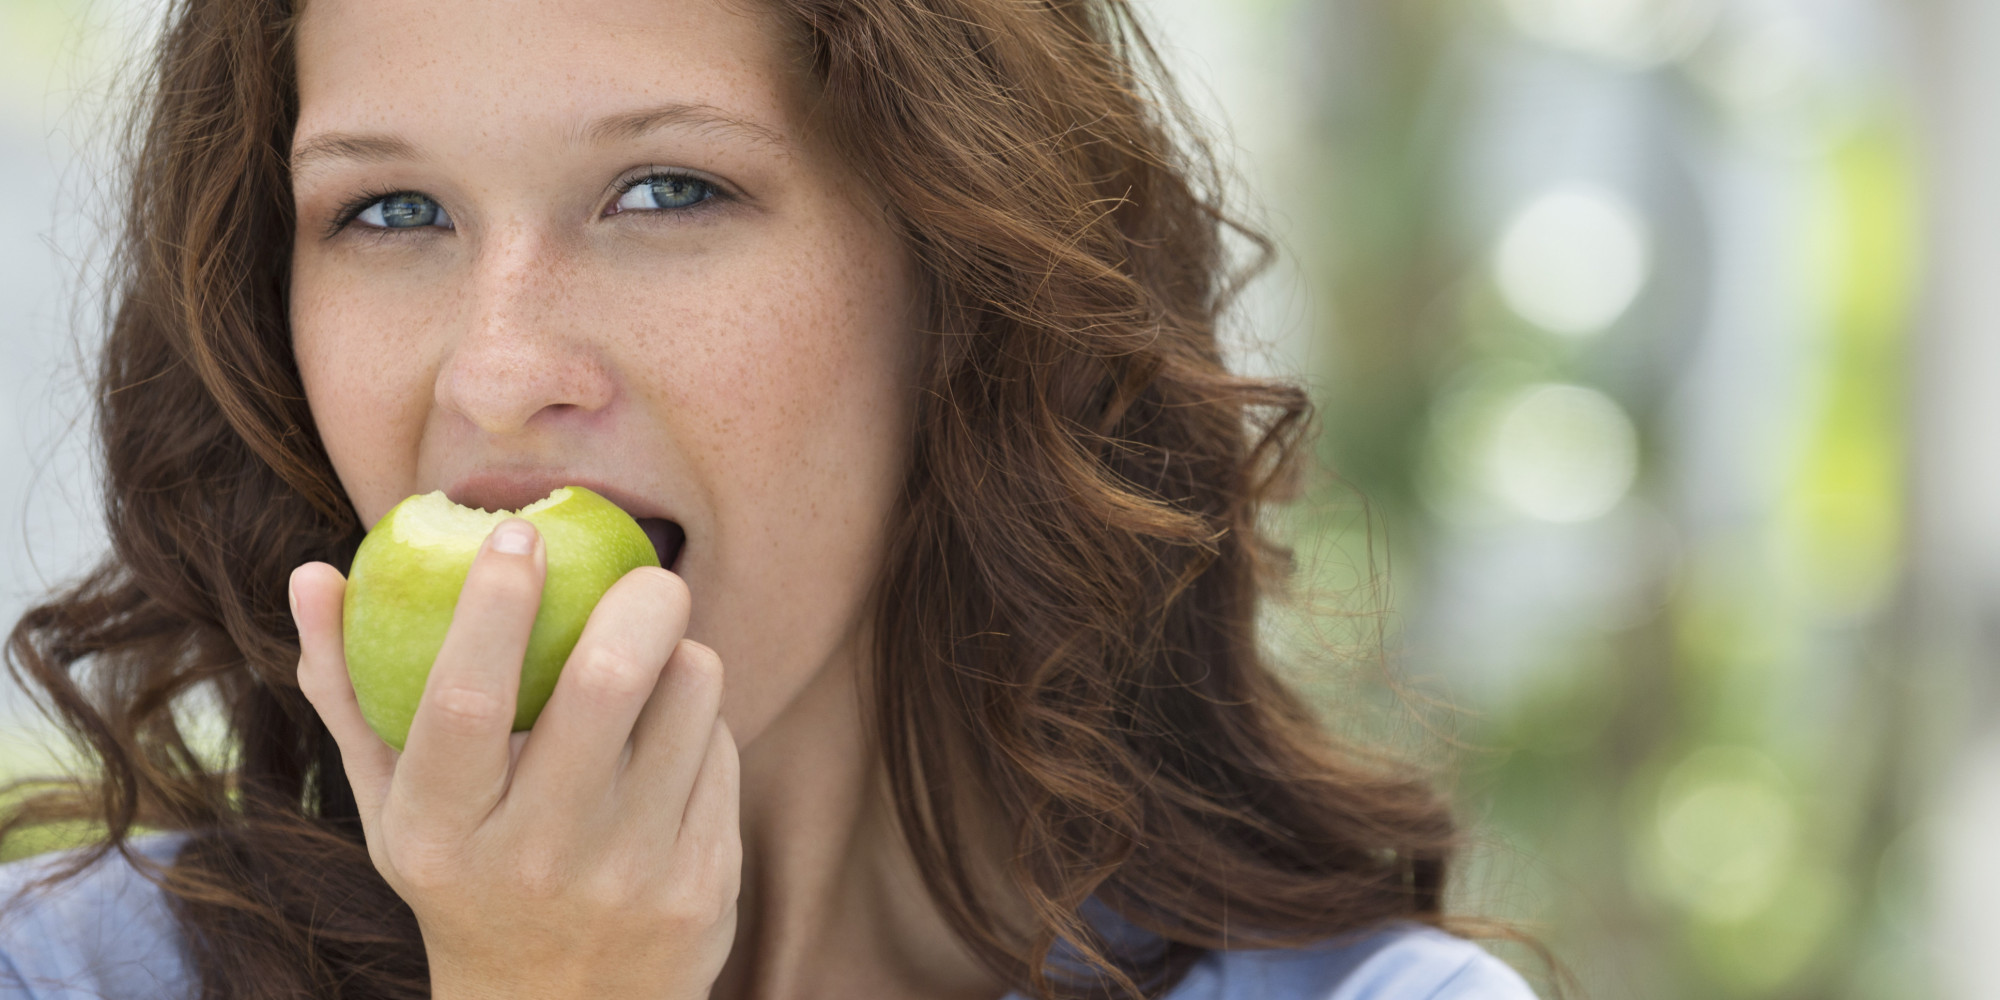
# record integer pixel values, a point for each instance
(405, 581)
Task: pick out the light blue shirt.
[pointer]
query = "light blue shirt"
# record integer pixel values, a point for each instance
(108, 934)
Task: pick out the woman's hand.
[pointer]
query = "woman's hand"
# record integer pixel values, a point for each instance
(597, 856)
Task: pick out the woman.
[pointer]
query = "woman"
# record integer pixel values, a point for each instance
(896, 320)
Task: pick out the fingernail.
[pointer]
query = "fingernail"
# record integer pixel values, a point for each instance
(514, 538)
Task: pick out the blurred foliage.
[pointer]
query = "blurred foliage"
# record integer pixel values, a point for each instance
(1700, 795)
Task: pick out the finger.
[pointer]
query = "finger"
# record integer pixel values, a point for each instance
(455, 763)
(711, 826)
(316, 593)
(669, 740)
(573, 753)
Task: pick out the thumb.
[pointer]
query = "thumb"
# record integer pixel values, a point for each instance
(316, 593)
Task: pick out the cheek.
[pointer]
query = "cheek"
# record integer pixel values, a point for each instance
(797, 387)
(811, 379)
(365, 377)
(788, 358)
(825, 389)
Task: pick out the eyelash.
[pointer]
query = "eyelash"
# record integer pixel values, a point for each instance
(349, 211)
(356, 207)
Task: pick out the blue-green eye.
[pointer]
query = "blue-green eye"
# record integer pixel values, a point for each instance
(407, 210)
(664, 191)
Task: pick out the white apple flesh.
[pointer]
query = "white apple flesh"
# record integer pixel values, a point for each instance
(404, 584)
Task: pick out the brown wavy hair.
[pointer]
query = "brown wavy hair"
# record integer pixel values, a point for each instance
(1068, 616)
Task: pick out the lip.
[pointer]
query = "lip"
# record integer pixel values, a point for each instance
(513, 490)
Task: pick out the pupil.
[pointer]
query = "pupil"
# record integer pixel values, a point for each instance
(408, 210)
(675, 192)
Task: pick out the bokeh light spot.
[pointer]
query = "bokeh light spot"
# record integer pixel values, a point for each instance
(1632, 33)
(1728, 833)
(1561, 453)
(1573, 260)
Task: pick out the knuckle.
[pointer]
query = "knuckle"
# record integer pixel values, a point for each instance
(710, 904)
(699, 664)
(541, 875)
(688, 908)
(610, 889)
(313, 683)
(466, 708)
(613, 674)
(421, 864)
(705, 890)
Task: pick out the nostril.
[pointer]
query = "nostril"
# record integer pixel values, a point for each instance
(667, 537)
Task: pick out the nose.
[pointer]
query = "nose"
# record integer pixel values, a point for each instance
(520, 358)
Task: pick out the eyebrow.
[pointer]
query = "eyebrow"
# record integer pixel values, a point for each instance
(707, 118)
(623, 126)
(351, 146)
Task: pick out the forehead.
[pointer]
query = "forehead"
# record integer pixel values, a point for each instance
(503, 67)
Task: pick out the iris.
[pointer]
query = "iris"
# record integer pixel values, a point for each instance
(407, 210)
(666, 191)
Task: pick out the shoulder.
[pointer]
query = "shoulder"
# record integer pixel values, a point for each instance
(105, 933)
(1402, 962)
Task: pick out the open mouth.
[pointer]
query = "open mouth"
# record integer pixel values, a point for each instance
(668, 540)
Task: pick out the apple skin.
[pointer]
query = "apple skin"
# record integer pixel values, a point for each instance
(404, 584)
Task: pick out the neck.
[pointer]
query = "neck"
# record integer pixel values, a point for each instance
(832, 903)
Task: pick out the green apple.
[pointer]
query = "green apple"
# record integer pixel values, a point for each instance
(406, 576)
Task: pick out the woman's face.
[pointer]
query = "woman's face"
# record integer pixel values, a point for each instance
(543, 242)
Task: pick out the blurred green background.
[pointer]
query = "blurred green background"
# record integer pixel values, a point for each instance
(1625, 323)
(1655, 364)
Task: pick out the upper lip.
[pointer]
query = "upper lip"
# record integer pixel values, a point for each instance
(512, 490)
